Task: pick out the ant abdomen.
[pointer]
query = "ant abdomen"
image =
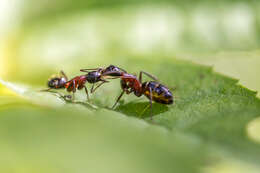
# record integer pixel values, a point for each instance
(159, 92)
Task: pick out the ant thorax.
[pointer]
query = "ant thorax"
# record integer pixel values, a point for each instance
(93, 77)
(129, 81)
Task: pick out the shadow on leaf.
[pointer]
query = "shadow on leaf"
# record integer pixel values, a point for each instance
(141, 109)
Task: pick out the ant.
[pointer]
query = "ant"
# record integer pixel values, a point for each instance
(153, 90)
(78, 82)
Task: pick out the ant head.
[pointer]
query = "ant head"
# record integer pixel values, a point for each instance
(113, 68)
(113, 71)
(57, 82)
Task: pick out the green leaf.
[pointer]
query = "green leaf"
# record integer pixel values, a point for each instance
(244, 65)
(36, 138)
(208, 121)
(213, 125)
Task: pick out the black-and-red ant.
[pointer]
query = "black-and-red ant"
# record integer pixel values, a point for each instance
(153, 90)
(78, 82)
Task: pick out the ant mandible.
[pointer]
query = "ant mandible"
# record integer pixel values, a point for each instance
(78, 82)
(153, 90)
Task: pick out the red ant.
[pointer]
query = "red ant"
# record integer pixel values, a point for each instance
(78, 82)
(153, 90)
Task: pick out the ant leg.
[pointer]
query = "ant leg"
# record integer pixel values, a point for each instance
(151, 102)
(147, 74)
(93, 90)
(50, 90)
(74, 90)
(119, 97)
(144, 110)
(86, 90)
(73, 96)
(129, 92)
(112, 78)
(140, 76)
(87, 69)
(63, 74)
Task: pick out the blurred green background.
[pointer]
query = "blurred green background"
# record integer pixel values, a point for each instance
(39, 38)
(48, 35)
